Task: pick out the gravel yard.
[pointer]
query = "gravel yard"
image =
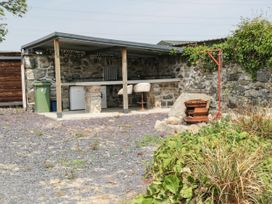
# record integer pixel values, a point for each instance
(84, 161)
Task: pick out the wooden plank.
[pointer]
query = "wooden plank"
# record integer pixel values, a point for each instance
(23, 85)
(98, 83)
(11, 93)
(6, 74)
(124, 79)
(10, 68)
(196, 119)
(10, 63)
(10, 84)
(10, 78)
(10, 89)
(58, 78)
(11, 98)
(9, 104)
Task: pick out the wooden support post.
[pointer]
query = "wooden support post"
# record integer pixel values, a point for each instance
(58, 78)
(124, 78)
(23, 80)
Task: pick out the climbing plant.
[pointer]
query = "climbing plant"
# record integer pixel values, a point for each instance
(250, 45)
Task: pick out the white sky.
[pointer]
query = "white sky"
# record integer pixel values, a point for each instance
(133, 20)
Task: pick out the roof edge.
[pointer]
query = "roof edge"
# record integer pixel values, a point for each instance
(40, 40)
(119, 43)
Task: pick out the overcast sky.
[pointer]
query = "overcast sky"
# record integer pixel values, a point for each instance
(133, 20)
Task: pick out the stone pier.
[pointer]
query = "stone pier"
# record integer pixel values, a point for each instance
(93, 99)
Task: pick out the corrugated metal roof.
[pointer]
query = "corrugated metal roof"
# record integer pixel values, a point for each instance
(71, 41)
(174, 42)
(180, 43)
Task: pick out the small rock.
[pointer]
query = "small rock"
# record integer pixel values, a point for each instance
(173, 121)
(178, 109)
(263, 76)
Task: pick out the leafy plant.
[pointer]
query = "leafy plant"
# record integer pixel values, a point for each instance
(249, 45)
(220, 164)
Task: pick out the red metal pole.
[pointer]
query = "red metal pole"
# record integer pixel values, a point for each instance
(219, 64)
(219, 114)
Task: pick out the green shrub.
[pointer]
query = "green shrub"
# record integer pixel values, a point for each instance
(249, 45)
(220, 164)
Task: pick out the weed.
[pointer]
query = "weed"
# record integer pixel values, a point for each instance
(37, 132)
(80, 134)
(48, 164)
(125, 126)
(230, 175)
(149, 140)
(95, 145)
(75, 164)
(255, 121)
(70, 174)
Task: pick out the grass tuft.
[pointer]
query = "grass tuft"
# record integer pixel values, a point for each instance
(149, 140)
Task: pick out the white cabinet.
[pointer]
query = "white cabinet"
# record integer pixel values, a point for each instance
(77, 98)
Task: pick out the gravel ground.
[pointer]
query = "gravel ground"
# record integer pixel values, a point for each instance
(87, 161)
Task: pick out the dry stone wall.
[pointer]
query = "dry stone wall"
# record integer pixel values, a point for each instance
(237, 87)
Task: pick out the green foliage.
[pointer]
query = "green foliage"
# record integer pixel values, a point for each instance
(149, 140)
(15, 7)
(250, 45)
(220, 164)
(198, 54)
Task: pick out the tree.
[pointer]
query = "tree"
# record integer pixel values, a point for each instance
(15, 7)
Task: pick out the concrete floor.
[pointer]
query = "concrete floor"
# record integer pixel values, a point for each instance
(109, 112)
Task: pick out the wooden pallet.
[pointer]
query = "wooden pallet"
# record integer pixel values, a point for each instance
(196, 119)
(196, 103)
(196, 111)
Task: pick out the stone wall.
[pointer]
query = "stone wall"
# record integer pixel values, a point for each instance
(163, 95)
(237, 87)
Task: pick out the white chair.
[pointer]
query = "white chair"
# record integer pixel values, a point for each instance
(142, 88)
(129, 90)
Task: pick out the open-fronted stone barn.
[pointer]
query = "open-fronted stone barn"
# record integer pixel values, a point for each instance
(105, 66)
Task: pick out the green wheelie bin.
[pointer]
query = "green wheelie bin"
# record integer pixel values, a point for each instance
(42, 96)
